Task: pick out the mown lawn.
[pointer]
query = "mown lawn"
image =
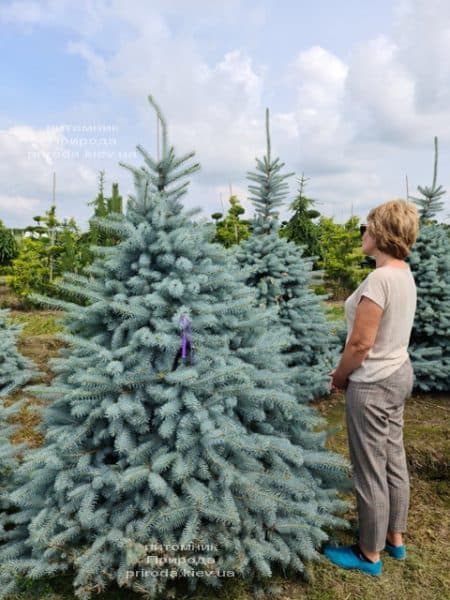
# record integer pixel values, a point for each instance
(423, 576)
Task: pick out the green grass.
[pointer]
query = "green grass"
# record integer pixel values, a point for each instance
(334, 311)
(37, 322)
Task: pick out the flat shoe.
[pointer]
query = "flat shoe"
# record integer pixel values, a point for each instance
(397, 552)
(346, 558)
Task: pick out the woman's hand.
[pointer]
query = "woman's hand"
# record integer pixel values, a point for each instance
(337, 381)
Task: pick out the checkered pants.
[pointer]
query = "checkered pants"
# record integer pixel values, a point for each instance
(374, 416)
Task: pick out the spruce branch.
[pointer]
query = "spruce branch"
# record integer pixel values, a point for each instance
(430, 204)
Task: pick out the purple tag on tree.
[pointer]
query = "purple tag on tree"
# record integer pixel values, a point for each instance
(186, 338)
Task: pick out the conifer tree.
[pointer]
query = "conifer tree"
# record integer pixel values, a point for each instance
(100, 210)
(232, 229)
(283, 276)
(342, 260)
(71, 256)
(15, 372)
(53, 248)
(430, 265)
(172, 419)
(15, 369)
(301, 227)
(103, 207)
(115, 201)
(8, 245)
(45, 232)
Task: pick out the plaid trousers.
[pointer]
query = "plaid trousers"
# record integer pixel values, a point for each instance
(374, 417)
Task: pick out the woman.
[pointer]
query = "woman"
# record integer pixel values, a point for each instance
(377, 376)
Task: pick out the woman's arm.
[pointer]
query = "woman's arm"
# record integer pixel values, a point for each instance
(365, 327)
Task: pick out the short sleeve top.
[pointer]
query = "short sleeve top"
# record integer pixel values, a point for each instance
(393, 289)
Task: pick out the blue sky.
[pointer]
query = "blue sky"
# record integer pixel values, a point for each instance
(357, 90)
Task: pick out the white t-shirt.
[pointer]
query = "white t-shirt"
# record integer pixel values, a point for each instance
(393, 289)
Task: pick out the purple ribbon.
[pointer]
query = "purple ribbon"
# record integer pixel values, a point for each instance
(186, 338)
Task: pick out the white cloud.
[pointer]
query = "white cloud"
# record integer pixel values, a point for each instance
(24, 12)
(319, 79)
(95, 61)
(214, 108)
(21, 206)
(422, 32)
(399, 87)
(380, 92)
(24, 149)
(29, 157)
(355, 125)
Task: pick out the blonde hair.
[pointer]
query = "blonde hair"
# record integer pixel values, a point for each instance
(394, 225)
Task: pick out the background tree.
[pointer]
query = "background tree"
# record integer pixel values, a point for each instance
(282, 276)
(231, 230)
(52, 248)
(115, 203)
(104, 206)
(148, 443)
(98, 236)
(341, 256)
(8, 245)
(104, 209)
(301, 227)
(29, 271)
(430, 265)
(71, 255)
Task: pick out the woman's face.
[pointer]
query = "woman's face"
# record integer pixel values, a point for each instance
(368, 243)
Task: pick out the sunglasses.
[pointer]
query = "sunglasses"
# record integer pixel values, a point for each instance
(362, 229)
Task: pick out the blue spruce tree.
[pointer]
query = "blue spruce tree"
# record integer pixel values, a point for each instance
(15, 369)
(282, 276)
(172, 431)
(430, 264)
(15, 372)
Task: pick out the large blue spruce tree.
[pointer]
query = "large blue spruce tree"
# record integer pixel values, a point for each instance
(283, 276)
(172, 419)
(430, 264)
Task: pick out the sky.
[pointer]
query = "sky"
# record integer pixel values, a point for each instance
(356, 90)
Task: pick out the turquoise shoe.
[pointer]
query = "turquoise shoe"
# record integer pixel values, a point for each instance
(397, 552)
(350, 557)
